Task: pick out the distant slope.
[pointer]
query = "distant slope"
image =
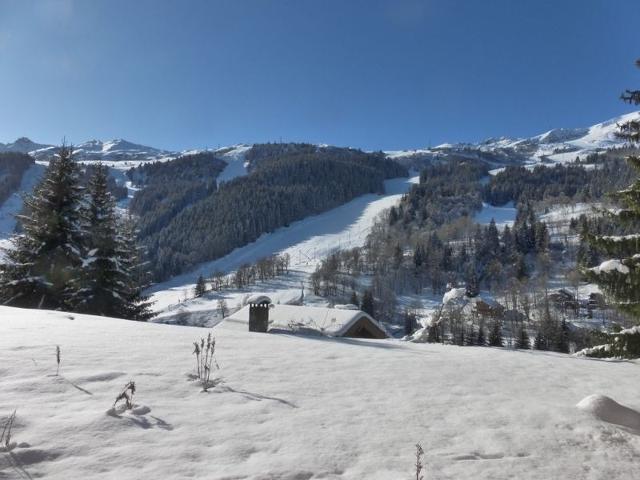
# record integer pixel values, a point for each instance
(558, 145)
(307, 242)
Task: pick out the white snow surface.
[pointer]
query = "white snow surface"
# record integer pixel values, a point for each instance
(608, 410)
(503, 216)
(295, 407)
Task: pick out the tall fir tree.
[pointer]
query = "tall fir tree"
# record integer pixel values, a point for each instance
(137, 305)
(522, 340)
(43, 265)
(201, 287)
(367, 304)
(110, 277)
(495, 334)
(619, 278)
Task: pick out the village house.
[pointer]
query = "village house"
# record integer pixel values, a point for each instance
(261, 315)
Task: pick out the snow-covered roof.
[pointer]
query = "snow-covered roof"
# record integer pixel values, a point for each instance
(328, 321)
(257, 298)
(609, 266)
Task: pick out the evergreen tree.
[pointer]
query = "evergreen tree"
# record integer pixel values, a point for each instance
(492, 239)
(561, 343)
(103, 276)
(433, 335)
(522, 341)
(620, 278)
(472, 284)
(495, 334)
(521, 267)
(112, 274)
(367, 304)
(43, 265)
(481, 340)
(200, 288)
(539, 342)
(354, 298)
(137, 305)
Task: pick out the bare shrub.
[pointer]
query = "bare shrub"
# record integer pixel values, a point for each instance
(58, 359)
(205, 360)
(5, 437)
(419, 465)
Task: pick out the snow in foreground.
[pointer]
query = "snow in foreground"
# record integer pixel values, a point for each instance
(292, 407)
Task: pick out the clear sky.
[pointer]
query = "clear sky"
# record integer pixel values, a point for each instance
(377, 74)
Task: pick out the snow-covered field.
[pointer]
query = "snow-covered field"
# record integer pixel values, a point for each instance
(503, 216)
(294, 407)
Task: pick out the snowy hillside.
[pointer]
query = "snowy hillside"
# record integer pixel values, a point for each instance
(22, 145)
(558, 145)
(236, 164)
(295, 407)
(307, 242)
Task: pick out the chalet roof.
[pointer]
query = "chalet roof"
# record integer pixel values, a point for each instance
(334, 322)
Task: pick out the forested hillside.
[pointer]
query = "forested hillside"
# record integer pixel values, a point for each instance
(168, 187)
(12, 167)
(516, 183)
(281, 188)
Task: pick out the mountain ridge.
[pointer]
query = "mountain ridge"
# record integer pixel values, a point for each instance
(562, 140)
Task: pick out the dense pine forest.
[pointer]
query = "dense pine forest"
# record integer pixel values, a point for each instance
(166, 188)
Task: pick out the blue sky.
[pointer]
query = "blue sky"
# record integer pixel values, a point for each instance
(378, 74)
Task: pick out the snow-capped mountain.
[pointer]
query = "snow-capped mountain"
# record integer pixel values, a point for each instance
(22, 145)
(557, 145)
(92, 150)
(111, 150)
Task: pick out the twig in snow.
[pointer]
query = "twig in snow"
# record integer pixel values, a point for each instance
(419, 464)
(127, 395)
(58, 358)
(6, 430)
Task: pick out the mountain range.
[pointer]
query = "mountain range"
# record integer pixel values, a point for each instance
(557, 145)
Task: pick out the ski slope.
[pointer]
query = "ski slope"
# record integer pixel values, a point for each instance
(236, 163)
(307, 241)
(302, 408)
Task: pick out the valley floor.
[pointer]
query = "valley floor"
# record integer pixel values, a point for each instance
(294, 407)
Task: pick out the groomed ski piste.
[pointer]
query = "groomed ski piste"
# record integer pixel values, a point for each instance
(300, 407)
